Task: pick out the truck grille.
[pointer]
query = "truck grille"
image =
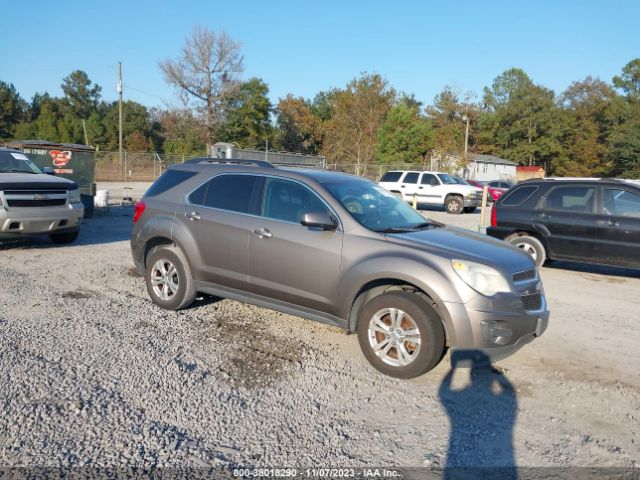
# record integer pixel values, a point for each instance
(35, 198)
(532, 301)
(525, 275)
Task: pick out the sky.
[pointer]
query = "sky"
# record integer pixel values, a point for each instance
(303, 47)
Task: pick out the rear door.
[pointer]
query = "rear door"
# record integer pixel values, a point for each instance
(220, 215)
(409, 185)
(289, 262)
(569, 214)
(619, 227)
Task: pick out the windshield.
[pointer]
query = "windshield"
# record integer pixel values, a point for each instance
(16, 162)
(377, 209)
(447, 179)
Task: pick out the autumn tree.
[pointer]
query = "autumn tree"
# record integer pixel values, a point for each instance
(446, 116)
(357, 113)
(207, 72)
(301, 129)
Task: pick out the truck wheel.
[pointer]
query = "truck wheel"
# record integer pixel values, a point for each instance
(401, 335)
(530, 245)
(168, 278)
(454, 204)
(62, 238)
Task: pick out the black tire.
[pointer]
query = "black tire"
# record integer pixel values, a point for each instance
(469, 209)
(63, 238)
(425, 318)
(454, 204)
(530, 245)
(186, 288)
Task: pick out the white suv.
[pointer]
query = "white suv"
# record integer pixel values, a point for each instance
(433, 188)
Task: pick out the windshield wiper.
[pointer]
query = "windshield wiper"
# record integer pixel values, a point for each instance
(16, 170)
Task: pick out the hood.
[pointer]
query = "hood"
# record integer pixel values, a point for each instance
(453, 242)
(34, 181)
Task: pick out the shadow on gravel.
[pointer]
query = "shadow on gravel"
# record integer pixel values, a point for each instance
(482, 417)
(597, 269)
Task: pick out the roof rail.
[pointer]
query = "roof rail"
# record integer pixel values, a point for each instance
(231, 161)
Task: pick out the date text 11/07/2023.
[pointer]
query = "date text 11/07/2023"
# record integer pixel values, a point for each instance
(315, 473)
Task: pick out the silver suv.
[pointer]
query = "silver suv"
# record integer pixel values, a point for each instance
(33, 203)
(337, 249)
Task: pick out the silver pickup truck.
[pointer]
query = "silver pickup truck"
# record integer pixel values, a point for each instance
(35, 203)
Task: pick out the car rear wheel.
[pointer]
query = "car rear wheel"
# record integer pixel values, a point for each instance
(168, 277)
(530, 245)
(454, 205)
(401, 335)
(62, 238)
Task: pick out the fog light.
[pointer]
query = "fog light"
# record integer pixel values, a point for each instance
(495, 333)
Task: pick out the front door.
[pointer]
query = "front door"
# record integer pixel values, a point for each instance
(289, 262)
(430, 189)
(619, 228)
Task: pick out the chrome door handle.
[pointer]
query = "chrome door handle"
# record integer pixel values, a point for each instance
(262, 233)
(192, 216)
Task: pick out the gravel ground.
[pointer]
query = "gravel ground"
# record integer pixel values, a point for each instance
(92, 373)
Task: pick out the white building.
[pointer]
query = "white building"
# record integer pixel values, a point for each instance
(480, 166)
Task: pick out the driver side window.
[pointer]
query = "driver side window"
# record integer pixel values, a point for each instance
(287, 201)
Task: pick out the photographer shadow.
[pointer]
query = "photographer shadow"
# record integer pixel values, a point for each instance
(482, 416)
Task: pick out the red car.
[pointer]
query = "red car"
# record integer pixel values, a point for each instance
(494, 192)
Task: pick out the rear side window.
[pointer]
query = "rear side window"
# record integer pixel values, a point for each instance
(517, 197)
(577, 199)
(236, 193)
(411, 177)
(391, 177)
(620, 203)
(168, 180)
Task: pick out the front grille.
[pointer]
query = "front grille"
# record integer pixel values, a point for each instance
(54, 202)
(525, 275)
(532, 301)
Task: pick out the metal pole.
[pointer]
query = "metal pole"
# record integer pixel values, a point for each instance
(120, 114)
(266, 150)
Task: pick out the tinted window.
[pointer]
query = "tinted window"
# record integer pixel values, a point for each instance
(167, 180)
(288, 201)
(574, 198)
(233, 192)
(447, 179)
(429, 179)
(197, 197)
(621, 202)
(391, 177)
(411, 177)
(518, 196)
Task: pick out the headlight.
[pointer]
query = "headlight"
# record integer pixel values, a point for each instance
(74, 196)
(482, 278)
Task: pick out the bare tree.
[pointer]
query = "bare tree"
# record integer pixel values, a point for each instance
(207, 70)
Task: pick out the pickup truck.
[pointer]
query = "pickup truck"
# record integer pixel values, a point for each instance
(34, 202)
(432, 188)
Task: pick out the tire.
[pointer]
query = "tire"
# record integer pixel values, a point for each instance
(413, 360)
(530, 245)
(469, 209)
(454, 204)
(176, 288)
(64, 238)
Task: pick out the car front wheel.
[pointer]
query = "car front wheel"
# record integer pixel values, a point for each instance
(401, 335)
(168, 277)
(454, 204)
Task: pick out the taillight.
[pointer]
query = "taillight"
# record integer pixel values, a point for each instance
(138, 210)
(494, 218)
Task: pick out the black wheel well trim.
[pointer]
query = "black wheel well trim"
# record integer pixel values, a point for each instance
(453, 195)
(152, 243)
(376, 288)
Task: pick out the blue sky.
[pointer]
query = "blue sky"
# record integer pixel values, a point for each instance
(302, 47)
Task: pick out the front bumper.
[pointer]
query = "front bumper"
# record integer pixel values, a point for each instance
(18, 221)
(472, 202)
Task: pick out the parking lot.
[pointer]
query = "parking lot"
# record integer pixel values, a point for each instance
(94, 374)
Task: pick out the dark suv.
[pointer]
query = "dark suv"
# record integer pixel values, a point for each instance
(586, 220)
(337, 249)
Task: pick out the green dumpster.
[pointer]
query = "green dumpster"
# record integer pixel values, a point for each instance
(72, 161)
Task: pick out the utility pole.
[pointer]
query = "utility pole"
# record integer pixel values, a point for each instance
(465, 118)
(120, 116)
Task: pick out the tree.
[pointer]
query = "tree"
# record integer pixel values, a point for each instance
(358, 112)
(446, 113)
(300, 127)
(248, 121)
(80, 95)
(629, 80)
(206, 71)
(182, 134)
(12, 110)
(624, 153)
(404, 137)
(135, 119)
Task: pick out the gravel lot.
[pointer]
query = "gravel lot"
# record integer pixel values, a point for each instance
(92, 373)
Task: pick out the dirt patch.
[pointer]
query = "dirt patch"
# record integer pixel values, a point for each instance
(80, 293)
(132, 272)
(602, 278)
(254, 357)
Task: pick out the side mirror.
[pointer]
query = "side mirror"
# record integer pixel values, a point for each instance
(49, 171)
(319, 220)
